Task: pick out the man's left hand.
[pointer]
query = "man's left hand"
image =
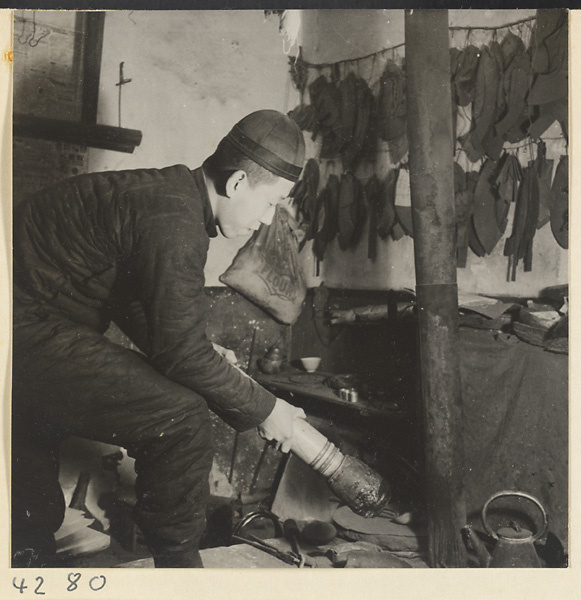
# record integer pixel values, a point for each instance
(227, 354)
(279, 425)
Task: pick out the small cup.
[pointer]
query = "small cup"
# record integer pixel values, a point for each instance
(311, 363)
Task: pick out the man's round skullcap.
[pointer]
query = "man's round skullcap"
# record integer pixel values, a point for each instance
(272, 140)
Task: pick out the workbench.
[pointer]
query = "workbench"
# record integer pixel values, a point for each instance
(311, 389)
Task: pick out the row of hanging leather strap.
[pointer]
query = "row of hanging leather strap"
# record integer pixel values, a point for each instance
(500, 82)
(483, 200)
(346, 207)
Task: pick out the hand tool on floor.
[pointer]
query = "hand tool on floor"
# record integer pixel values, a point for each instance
(286, 557)
(291, 533)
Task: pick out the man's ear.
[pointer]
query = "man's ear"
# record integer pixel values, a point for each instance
(237, 181)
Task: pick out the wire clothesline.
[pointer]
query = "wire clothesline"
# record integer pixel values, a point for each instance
(351, 60)
(468, 29)
(491, 27)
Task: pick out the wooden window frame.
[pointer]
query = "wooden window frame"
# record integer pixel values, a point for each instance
(87, 131)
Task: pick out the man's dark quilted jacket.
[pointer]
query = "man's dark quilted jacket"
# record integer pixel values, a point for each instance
(103, 244)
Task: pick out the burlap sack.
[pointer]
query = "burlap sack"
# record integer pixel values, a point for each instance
(267, 270)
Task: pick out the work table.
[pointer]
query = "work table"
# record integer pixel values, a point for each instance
(312, 388)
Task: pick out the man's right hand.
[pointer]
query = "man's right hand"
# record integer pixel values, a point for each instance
(279, 425)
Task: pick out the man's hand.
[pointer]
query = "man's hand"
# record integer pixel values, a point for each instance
(279, 425)
(227, 354)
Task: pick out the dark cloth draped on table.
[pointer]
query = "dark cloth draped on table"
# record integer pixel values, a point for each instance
(515, 398)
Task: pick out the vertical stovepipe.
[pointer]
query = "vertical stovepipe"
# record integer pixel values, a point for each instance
(432, 196)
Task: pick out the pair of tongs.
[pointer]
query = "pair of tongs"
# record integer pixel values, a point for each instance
(289, 558)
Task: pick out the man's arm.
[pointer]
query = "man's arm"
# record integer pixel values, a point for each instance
(166, 258)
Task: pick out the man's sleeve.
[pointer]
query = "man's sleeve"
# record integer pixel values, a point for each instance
(167, 261)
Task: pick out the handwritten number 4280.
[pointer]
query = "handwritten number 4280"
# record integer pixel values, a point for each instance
(95, 583)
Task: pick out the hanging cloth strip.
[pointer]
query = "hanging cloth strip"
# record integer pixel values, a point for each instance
(372, 192)
(392, 107)
(486, 226)
(319, 227)
(507, 183)
(544, 168)
(347, 110)
(347, 209)
(351, 154)
(325, 100)
(519, 245)
(361, 212)
(473, 241)
(463, 203)
(560, 203)
(386, 204)
(332, 207)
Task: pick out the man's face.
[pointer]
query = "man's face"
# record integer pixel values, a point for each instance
(246, 207)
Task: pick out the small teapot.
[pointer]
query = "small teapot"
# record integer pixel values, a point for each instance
(514, 545)
(272, 361)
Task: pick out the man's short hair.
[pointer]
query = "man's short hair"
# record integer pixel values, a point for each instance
(227, 159)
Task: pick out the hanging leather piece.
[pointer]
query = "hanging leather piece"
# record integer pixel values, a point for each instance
(347, 210)
(473, 241)
(484, 216)
(391, 122)
(544, 168)
(531, 221)
(348, 111)
(386, 217)
(372, 192)
(550, 56)
(520, 244)
(307, 205)
(352, 152)
(361, 212)
(484, 107)
(319, 226)
(513, 89)
(560, 203)
(492, 141)
(463, 200)
(507, 183)
(325, 100)
(464, 75)
(304, 116)
(549, 91)
(397, 231)
(332, 208)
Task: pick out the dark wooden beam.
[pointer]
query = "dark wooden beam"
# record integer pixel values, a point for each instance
(429, 116)
(74, 132)
(90, 26)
